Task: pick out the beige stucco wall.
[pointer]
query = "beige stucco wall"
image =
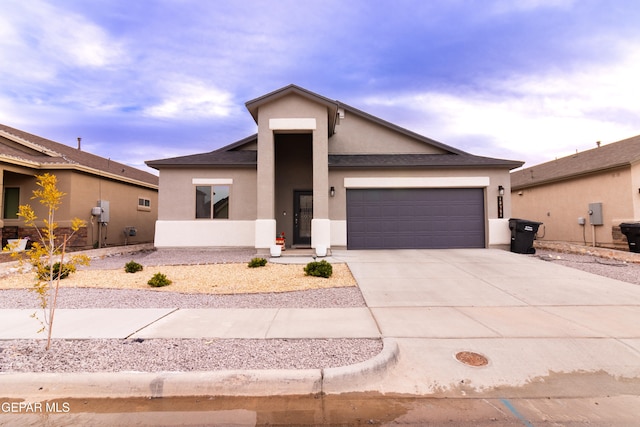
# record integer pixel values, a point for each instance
(559, 205)
(355, 135)
(177, 197)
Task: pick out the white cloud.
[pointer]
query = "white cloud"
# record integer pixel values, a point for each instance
(189, 100)
(39, 40)
(539, 117)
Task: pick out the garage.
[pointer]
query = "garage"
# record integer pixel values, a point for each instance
(415, 218)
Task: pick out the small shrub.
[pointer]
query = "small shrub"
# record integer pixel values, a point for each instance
(257, 262)
(158, 280)
(132, 267)
(319, 269)
(67, 269)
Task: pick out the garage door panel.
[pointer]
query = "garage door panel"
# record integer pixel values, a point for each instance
(415, 218)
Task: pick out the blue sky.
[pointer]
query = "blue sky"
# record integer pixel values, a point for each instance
(138, 80)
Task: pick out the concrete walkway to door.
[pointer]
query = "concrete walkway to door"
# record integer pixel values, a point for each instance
(534, 321)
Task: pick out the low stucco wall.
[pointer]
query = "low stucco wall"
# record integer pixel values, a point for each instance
(205, 233)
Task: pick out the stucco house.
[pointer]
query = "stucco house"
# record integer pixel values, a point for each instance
(119, 203)
(582, 198)
(328, 175)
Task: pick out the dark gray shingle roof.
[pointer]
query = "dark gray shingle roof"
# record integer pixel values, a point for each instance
(417, 160)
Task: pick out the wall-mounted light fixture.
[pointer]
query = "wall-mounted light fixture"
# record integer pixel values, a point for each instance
(332, 191)
(501, 190)
(500, 201)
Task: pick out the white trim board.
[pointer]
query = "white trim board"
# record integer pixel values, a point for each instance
(418, 182)
(212, 181)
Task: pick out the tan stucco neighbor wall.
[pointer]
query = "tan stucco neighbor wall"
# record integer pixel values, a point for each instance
(559, 205)
(82, 193)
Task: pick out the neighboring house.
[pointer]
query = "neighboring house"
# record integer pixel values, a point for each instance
(604, 180)
(128, 197)
(329, 175)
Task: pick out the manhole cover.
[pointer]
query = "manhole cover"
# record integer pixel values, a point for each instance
(472, 359)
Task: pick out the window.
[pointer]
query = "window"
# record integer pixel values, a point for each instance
(11, 202)
(144, 204)
(212, 201)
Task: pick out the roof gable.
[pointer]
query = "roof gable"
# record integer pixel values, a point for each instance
(332, 106)
(609, 156)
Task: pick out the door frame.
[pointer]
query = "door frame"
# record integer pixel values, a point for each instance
(297, 239)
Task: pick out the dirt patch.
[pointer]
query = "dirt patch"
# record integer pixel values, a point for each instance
(209, 279)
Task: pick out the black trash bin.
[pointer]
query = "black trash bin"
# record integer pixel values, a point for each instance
(523, 232)
(632, 231)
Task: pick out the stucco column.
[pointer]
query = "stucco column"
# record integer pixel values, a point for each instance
(265, 222)
(320, 224)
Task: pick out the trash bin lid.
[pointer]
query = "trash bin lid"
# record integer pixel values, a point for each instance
(630, 225)
(524, 225)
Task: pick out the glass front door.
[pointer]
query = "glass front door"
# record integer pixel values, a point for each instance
(303, 213)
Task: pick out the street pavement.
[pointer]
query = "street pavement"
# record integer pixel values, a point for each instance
(544, 329)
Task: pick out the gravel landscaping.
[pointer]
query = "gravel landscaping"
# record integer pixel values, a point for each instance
(612, 268)
(202, 279)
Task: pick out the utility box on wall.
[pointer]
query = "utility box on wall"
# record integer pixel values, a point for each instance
(595, 214)
(104, 215)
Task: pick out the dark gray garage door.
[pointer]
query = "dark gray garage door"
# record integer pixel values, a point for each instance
(415, 218)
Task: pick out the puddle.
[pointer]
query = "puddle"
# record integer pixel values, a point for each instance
(338, 410)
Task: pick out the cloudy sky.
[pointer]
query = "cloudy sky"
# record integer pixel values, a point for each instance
(526, 80)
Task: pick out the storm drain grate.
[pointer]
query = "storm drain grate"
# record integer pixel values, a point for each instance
(471, 358)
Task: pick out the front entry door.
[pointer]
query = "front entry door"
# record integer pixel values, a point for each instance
(303, 213)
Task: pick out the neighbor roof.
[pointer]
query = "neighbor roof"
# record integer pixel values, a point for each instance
(609, 156)
(32, 151)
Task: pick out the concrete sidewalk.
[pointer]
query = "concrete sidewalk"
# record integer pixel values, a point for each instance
(268, 323)
(537, 323)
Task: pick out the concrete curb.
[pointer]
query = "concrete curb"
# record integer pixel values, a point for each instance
(353, 377)
(272, 382)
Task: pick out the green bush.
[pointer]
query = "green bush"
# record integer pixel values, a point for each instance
(319, 269)
(67, 269)
(158, 280)
(257, 262)
(132, 267)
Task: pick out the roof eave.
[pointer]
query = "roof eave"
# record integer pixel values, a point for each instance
(75, 167)
(535, 183)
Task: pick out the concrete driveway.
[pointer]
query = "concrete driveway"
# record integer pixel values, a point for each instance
(538, 324)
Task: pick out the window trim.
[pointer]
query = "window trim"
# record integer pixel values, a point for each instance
(146, 204)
